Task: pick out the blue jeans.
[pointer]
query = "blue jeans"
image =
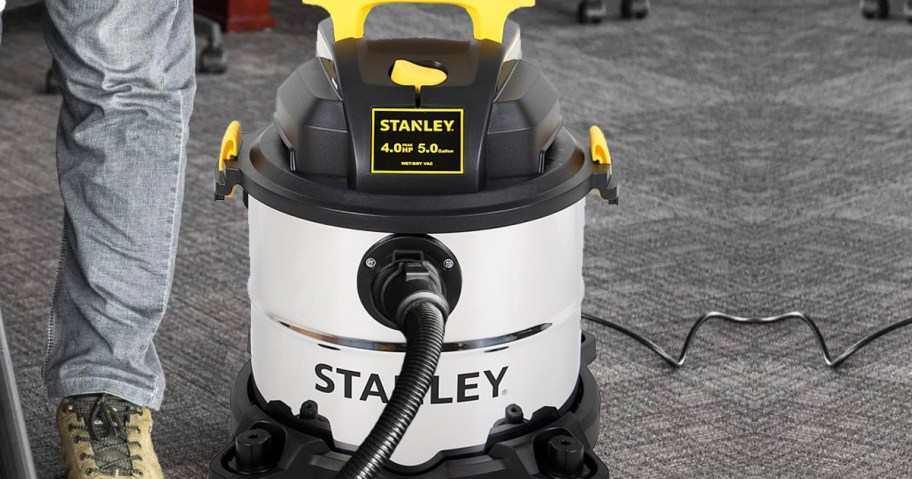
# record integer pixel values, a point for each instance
(126, 70)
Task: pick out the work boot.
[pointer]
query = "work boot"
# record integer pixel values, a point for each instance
(103, 436)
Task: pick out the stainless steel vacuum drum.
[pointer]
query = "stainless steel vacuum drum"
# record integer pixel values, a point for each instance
(512, 339)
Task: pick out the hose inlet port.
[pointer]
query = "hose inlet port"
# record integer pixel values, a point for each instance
(399, 270)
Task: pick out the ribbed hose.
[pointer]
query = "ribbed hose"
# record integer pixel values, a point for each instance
(424, 325)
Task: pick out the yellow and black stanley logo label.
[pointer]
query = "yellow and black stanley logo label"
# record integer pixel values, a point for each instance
(418, 141)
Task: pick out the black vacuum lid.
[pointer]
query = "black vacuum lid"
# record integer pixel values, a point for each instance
(416, 136)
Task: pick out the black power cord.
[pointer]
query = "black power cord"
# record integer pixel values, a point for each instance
(831, 362)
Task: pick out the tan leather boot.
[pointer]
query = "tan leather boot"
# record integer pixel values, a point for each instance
(106, 437)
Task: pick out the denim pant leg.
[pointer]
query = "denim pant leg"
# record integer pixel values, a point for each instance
(126, 69)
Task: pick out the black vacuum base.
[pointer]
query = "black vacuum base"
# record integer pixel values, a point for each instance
(273, 442)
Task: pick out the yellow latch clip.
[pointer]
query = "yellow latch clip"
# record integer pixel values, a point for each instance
(599, 146)
(488, 16)
(231, 144)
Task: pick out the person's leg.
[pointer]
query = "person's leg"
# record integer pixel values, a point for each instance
(126, 71)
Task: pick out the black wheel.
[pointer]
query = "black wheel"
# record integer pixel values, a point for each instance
(626, 9)
(634, 9)
(591, 12)
(875, 8)
(51, 86)
(640, 9)
(883, 8)
(213, 60)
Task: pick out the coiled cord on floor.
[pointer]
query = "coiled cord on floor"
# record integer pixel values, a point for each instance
(831, 362)
(424, 328)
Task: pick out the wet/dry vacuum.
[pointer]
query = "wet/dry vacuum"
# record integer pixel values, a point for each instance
(416, 218)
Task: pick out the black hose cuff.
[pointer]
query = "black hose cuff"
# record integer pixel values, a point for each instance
(406, 284)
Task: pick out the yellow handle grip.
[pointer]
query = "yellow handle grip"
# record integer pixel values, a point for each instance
(488, 16)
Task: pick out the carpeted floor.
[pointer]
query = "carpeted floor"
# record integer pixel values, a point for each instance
(767, 157)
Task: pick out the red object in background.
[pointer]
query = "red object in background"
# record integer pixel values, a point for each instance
(237, 15)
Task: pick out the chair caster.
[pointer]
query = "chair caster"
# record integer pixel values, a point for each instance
(213, 60)
(875, 9)
(637, 9)
(592, 11)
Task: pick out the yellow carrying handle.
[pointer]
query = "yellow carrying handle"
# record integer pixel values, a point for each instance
(488, 16)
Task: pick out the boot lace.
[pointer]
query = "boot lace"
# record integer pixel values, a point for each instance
(107, 422)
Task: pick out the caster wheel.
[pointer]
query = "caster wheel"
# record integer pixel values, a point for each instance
(637, 9)
(213, 60)
(592, 12)
(51, 87)
(641, 9)
(875, 8)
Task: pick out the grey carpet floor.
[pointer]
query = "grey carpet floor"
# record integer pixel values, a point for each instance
(767, 157)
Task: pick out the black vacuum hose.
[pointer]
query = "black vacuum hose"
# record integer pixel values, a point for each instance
(424, 328)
